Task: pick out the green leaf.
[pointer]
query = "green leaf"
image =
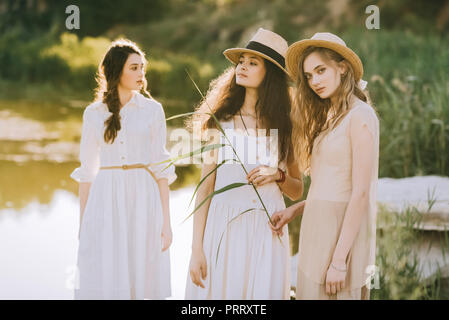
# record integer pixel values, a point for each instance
(180, 115)
(226, 188)
(200, 150)
(222, 234)
(186, 155)
(184, 115)
(202, 180)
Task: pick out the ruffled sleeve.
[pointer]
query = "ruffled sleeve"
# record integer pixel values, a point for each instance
(159, 148)
(89, 150)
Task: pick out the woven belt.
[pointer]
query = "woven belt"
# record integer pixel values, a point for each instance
(133, 166)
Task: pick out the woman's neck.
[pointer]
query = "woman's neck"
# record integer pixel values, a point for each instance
(249, 104)
(124, 95)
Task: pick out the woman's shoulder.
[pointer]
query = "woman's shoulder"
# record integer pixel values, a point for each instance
(94, 108)
(95, 105)
(363, 115)
(148, 103)
(362, 109)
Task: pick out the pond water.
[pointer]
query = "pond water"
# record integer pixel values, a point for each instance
(38, 247)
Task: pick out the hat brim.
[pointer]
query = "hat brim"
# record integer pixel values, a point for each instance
(233, 55)
(296, 49)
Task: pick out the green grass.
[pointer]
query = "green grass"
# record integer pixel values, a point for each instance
(400, 274)
(409, 85)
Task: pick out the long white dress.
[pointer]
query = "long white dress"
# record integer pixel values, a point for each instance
(119, 254)
(252, 263)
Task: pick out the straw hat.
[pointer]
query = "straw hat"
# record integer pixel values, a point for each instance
(265, 43)
(324, 40)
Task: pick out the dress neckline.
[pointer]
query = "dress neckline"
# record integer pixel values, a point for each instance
(131, 101)
(329, 130)
(241, 134)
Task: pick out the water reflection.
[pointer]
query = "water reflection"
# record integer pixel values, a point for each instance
(24, 183)
(38, 245)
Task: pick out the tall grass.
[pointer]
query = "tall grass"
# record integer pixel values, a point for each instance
(409, 84)
(400, 273)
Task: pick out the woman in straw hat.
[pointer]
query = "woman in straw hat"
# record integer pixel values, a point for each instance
(336, 134)
(235, 255)
(125, 219)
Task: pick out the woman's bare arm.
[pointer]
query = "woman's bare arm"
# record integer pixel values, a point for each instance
(293, 186)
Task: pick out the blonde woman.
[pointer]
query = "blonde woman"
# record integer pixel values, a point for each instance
(124, 197)
(251, 262)
(336, 134)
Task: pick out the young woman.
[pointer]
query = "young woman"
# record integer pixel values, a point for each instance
(336, 135)
(234, 255)
(124, 198)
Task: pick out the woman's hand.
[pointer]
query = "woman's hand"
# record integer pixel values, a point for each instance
(283, 217)
(166, 236)
(263, 175)
(198, 267)
(335, 278)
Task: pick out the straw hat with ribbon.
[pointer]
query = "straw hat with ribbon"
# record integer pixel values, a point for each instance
(264, 43)
(324, 40)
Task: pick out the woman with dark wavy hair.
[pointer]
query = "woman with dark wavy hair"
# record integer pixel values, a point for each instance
(234, 254)
(124, 196)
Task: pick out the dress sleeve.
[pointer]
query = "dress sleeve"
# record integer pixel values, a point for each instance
(364, 129)
(161, 153)
(89, 151)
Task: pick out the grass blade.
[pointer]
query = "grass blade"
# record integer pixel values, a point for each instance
(180, 115)
(197, 151)
(222, 234)
(225, 188)
(202, 180)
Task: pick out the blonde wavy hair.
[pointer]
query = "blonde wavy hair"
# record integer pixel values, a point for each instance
(312, 115)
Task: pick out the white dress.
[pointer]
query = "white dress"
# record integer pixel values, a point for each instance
(119, 255)
(252, 263)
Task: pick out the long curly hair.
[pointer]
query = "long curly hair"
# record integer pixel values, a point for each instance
(108, 78)
(311, 114)
(225, 98)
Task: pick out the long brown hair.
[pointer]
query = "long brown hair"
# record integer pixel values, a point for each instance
(108, 78)
(310, 113)
(225, 98)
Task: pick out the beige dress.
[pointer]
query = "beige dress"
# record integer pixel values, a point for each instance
(324, 212)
